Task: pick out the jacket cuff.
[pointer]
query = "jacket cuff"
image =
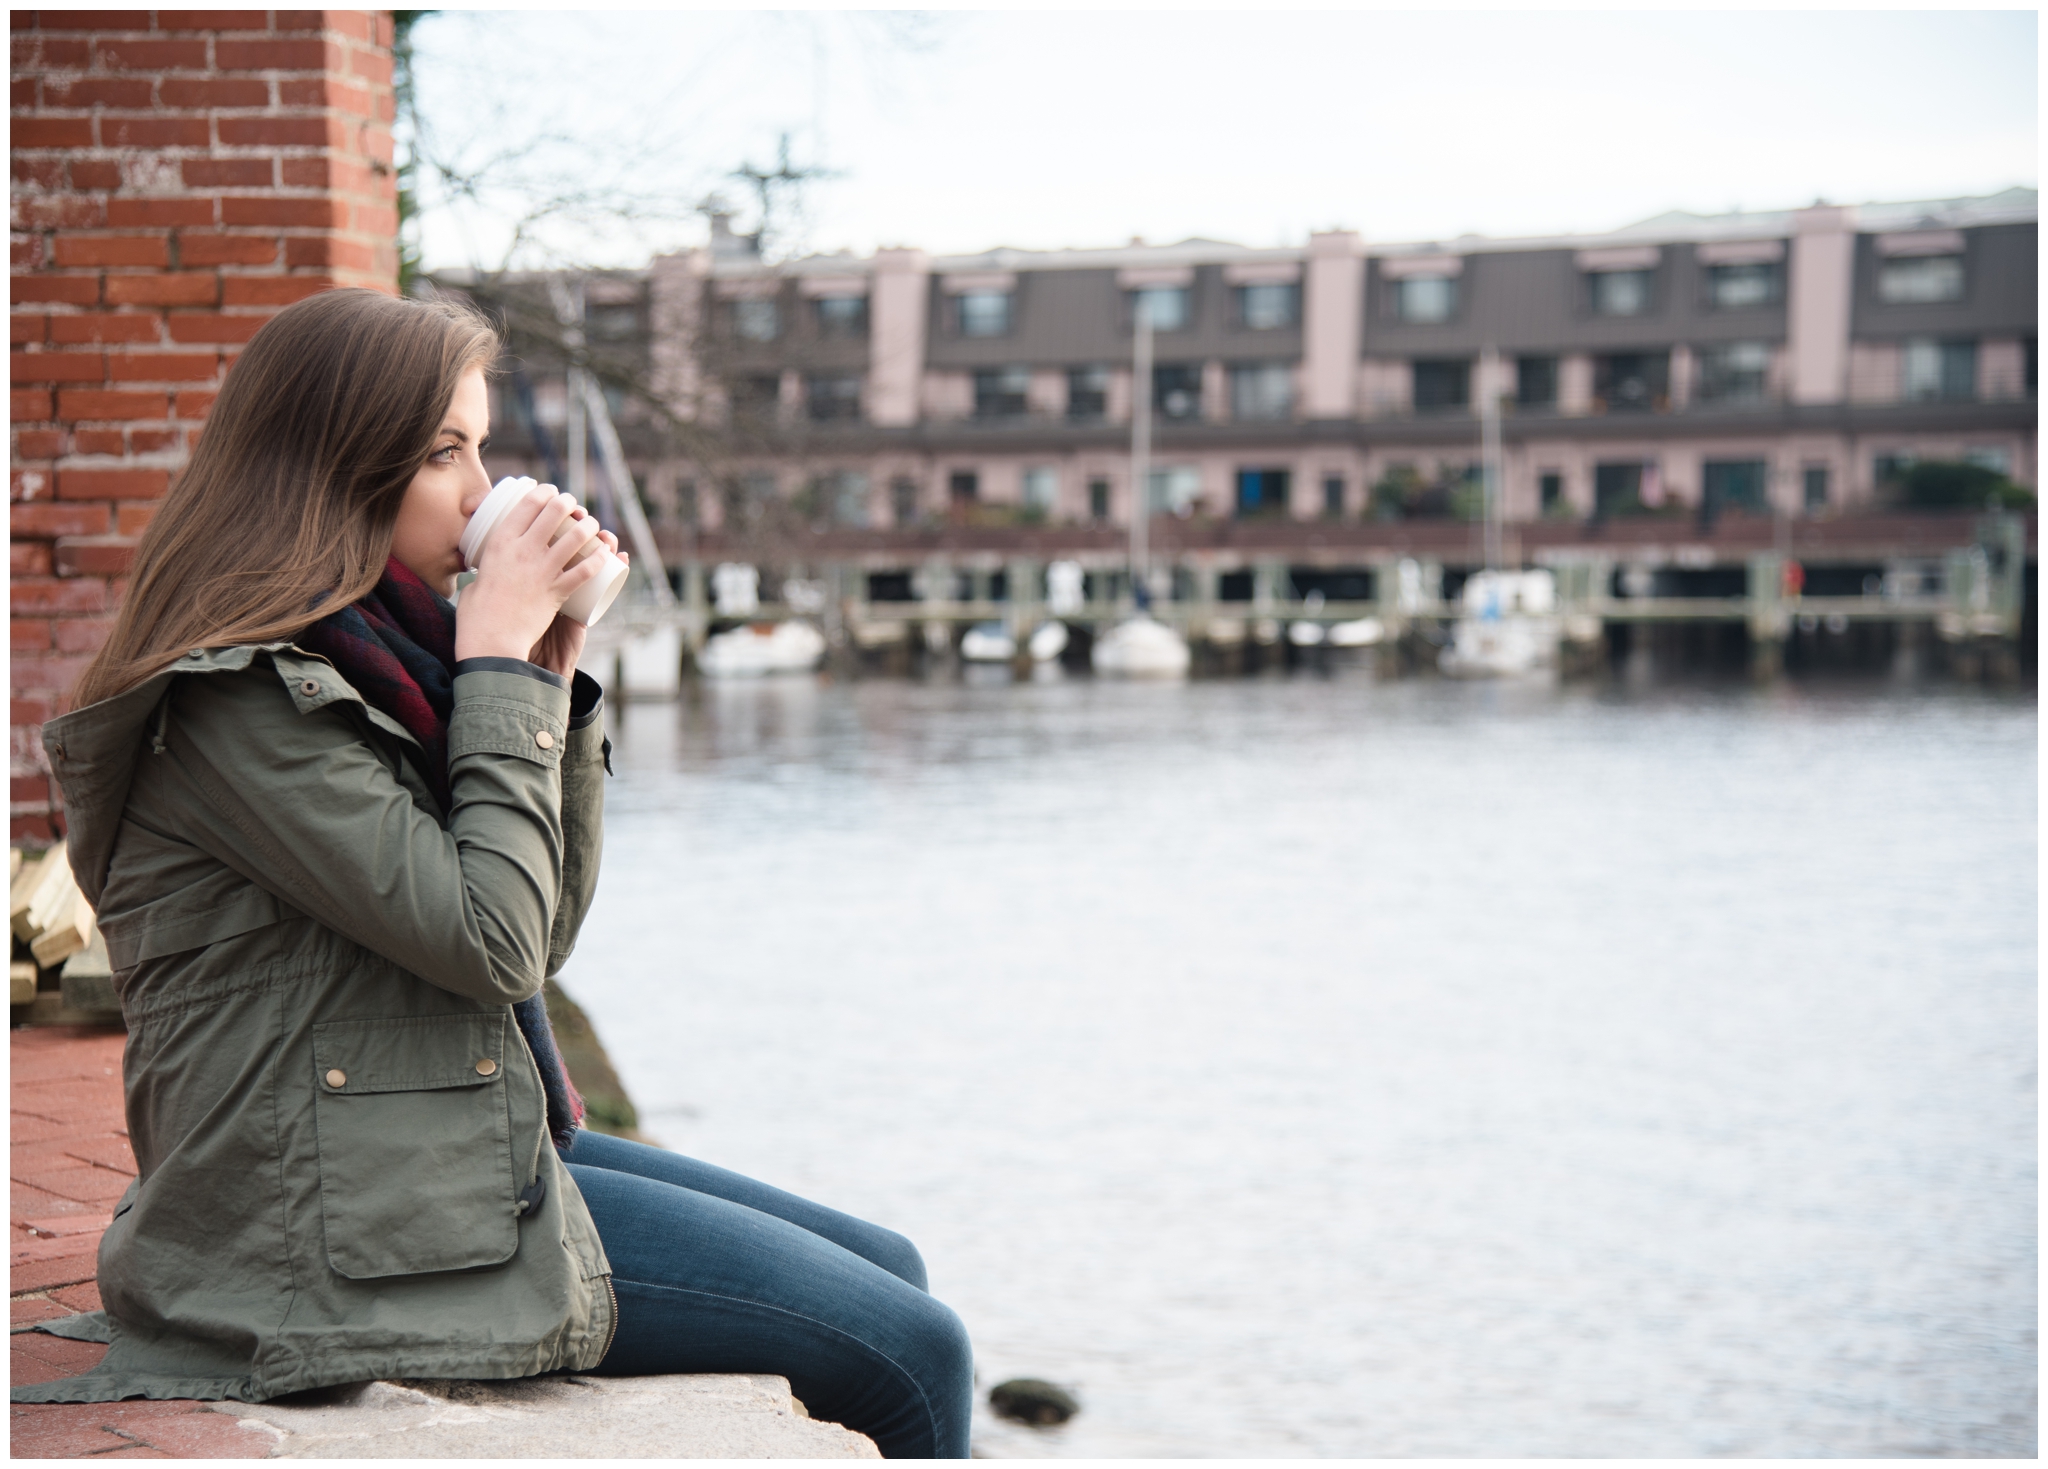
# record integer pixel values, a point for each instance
(510, 665)
(504, 713)
(586, 742)
(586, 701)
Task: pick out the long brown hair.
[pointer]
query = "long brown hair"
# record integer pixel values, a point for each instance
(287, 508)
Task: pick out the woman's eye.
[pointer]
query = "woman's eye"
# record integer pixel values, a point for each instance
(444, 455)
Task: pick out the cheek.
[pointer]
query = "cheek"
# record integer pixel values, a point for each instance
(429, 514)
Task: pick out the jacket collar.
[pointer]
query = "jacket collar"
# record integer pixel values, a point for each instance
(93, 751)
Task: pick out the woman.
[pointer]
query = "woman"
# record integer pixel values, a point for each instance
(337, 834)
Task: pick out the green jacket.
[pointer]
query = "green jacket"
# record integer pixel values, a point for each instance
(333, 1113)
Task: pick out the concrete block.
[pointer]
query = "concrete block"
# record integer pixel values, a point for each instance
(679, 1417)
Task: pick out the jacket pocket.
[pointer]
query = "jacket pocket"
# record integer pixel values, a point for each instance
(415, 1136)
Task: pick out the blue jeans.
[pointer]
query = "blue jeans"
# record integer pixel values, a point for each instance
(717, 1273)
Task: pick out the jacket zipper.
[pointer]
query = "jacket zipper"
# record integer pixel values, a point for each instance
(613, 1331)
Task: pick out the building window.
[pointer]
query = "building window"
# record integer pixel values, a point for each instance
(1550, 492)
(1739, 287)
(1535, 382)
(963, 487)
(1888, 469)
(1263, 308)
(613, 322)
(1263, 491)
(1172, 490)
(1617, 489)
(1166, 307)
(1442, 385)
(1735, 373)
(1632, 382)
(1002, 392)
(1087, 394)
(1333, 496)
(843, 494)
(1920, 280)
(1619, 292)
(756, 319)
(903, 501)
(891, 586)
(755, 396)
(1989, 456)
(1041, 490)
(1262, 392)
(1098, 499)
(1733, 484)
(983, 313)
(1426, 298)
(833, 397)
(841, 316)
(1944, 372)
(1813, 487)
(1177, 392)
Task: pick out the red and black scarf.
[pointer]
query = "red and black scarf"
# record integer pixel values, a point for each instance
(397, 647)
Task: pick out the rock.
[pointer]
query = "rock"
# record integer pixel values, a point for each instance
(1028, 1400)
(567, 1417)
(607, 1107)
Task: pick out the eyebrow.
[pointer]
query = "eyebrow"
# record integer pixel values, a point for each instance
(454, 432)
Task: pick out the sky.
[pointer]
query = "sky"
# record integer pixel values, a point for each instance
(960, 131)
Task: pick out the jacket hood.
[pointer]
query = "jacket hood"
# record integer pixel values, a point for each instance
(93, 751)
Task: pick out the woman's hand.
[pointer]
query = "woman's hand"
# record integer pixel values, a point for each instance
(562, 644)
(513, 605)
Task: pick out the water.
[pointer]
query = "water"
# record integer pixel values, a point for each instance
(1323, 1066)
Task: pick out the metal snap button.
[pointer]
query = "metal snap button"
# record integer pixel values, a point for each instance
(545, 740)
(337, 1077)
(196, 653)
(486, 1066)
(309, 688)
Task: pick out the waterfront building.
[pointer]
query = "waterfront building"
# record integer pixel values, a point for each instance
(1794, 363)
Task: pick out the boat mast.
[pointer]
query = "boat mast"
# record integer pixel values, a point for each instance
(1489, 451)
(1141, 448)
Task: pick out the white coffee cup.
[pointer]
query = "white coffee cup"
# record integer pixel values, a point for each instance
(591, 599)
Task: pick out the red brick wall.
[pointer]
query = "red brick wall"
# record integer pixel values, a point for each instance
(178, 177)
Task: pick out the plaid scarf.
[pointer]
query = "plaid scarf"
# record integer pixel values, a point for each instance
(397, 647)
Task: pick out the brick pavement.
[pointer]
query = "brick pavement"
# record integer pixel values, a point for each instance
(70, 1163)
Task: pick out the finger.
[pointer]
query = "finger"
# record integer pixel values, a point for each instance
(560, 516)
(532, 506)
(574, 539)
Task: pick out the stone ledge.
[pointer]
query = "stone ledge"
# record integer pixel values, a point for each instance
(678, 1417)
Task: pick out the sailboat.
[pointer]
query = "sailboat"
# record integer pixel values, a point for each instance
(1141, 646)
(988, 642)
(1509, 624)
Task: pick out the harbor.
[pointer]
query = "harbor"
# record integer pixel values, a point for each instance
(1954, 593)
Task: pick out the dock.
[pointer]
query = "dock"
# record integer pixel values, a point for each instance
(1962, 583)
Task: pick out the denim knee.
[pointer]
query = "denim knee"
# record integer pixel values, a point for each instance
(945, 1373)
(898, 1256)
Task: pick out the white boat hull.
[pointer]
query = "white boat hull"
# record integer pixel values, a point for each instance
(1048, 642)
(1364, 632)
(987, 645)
(1499, 647)
(1141, 648)
(749, 652)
